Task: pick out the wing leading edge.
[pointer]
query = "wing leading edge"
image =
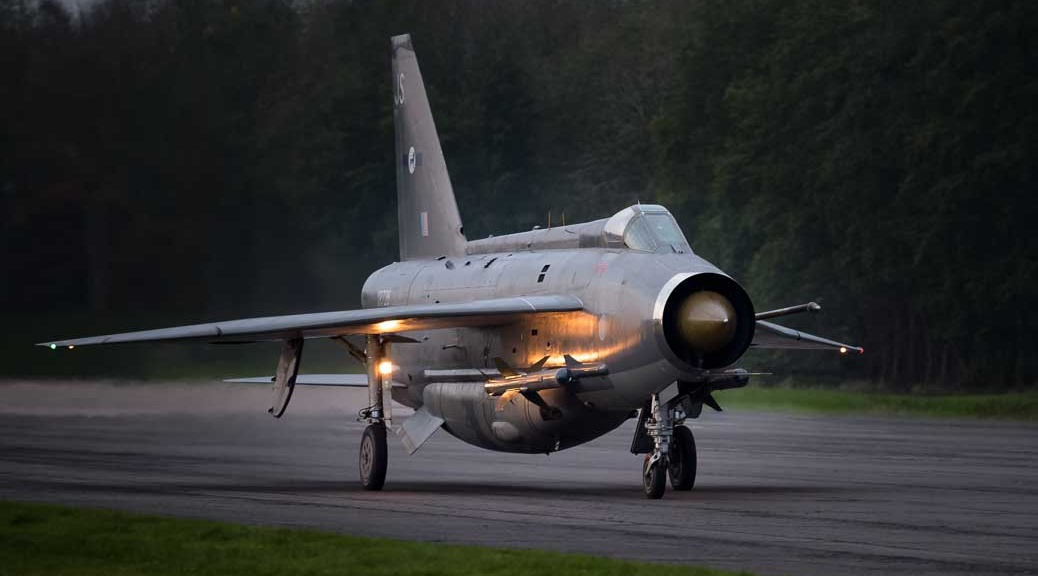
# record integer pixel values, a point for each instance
(337, 380)
(387, 320)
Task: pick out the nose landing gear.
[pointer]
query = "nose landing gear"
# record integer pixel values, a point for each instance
(660, 427)
(673, 451)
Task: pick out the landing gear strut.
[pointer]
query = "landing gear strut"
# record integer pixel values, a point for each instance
(374, 454)
(673, 450)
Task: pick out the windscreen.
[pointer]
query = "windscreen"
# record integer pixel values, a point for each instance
(655, 232)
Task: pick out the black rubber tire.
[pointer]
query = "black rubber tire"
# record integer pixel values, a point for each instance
(681, 466)
(654, 481)
(374, 456)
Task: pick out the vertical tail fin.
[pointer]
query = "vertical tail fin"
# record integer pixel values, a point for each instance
(430, 225)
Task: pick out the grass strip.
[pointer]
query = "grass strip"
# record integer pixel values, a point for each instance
(58, 540)
(1011, 406)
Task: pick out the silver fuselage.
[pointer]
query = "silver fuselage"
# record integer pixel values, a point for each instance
(622, 291)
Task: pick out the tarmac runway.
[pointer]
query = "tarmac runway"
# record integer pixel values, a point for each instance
(776, 493)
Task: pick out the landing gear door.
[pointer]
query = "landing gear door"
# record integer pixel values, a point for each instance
(285, 376)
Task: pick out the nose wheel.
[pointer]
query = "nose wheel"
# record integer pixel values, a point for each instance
(654, 477)
(681, 465)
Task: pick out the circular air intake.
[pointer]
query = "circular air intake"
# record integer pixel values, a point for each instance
(707, 321)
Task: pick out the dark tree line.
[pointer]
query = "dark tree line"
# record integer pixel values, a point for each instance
(211, 158)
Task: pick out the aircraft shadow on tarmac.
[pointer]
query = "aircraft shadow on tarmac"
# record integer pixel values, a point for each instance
(329, 487)
(577, 490)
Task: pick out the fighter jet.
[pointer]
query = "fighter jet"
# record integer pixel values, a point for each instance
(531, 342)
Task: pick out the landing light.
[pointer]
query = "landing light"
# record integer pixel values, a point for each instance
(71, 347)
(53, 346)
(388, 326)
(385, 368)
(843, 349)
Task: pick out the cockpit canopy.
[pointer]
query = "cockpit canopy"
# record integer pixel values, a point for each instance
(646, 228)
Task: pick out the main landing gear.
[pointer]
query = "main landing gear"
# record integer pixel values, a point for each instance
(673, 452)
(374, 453)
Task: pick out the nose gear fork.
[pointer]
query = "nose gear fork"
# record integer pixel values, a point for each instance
(660, 427)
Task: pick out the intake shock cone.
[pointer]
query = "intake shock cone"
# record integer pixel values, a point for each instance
(707, 321)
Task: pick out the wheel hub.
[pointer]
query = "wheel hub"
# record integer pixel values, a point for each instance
(366, 457)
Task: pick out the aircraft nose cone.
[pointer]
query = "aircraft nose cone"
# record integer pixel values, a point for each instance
(706, 321)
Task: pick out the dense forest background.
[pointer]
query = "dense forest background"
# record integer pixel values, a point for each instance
(191, 160)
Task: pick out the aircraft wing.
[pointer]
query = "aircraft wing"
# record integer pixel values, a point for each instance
(340, 380)
(386, 320)
(771, 335)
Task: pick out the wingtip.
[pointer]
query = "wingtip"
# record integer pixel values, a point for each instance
(59, 344)
(254, 380)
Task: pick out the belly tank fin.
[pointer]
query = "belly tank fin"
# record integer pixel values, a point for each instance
(418, 428)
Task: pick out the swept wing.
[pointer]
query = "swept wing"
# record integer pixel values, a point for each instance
(387, 320)
(771, 335)
(345, 380)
